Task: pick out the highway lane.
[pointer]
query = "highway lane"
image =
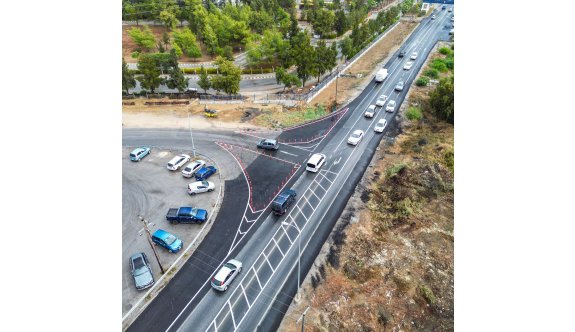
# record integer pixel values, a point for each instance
(269, 263)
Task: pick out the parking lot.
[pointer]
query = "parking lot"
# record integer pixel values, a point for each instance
(149, 189)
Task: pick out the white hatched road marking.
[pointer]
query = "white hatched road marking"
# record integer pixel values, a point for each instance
(314, 180)
(232, 314)
(257, 278)
(287, 235)
(270, 264)
(309, 203)
(244, 291)
(278, 246)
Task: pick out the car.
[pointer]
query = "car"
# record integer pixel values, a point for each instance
(399, 86)
(227, 273)
(141, 271)
(315, 162)
(370, 111)
(401, 54)
(380, 126)
(450, 9)
(139, 153)
(433, 17)
(200, 187)
(443, 7)
(186, 215)
(192, 167)
(452, 18)
(381, 101)
(390, 106)
(205, 172)
(268, 144)
(283, 201)
(413, 56)
(167, 240)
(355, 137)
(177, 162)
(408, 65)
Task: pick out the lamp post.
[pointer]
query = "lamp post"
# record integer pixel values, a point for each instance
(298, 257)
(149, 237)
(191, 134)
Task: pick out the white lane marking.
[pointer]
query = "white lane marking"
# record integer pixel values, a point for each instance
(286, 233)
(244, 291)
(278, 246)
(308, 203)
(266, 257)
(337, 161)
(291, 154)
(232, 314)
(257, 278)
(306, 218)
(314, 180)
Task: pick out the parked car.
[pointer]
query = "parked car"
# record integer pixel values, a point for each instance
(433, 17)
(227, 273)
(413, 56)
(408, 65)
(192, 167)
(283, 201)
(370, 111)
(268, 144)
(450, 9)
(139, 153)
(390, 106)
(167, 240)
(381, 101)
(200, 187)
(177, 162)
(401, 54)
(380, 126)
(355, 137)
(187, 215)
(205, 172)
(399, 86)
(443, 7)
(141, 271)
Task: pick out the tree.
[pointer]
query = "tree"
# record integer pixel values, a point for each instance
(204, 81)
(323, 21)
(441, 100)
(166, 39)
(169, 19)
(177, 80)
(129, 12)
(196, 14)
(340, 23)
(346, 47)
(149, 77)
(326, 58)
(287, 79)
(143, 38)
(186, 40)
(304, 56)
(228, 78)
(128, 80)
(210, 39)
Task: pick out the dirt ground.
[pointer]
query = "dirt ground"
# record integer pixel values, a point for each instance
(128, 45)
(349, 87)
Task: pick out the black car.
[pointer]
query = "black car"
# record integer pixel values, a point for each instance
(443, 7)
(269, 144)
(401, 54)
(283, 201)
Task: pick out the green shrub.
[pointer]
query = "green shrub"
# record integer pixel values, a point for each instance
(135, 55)
(448, 159)
(391, 171)
(422, 81)
(445, 51)
(431, 73)
(414, 113)
(427, 294)
(449, 63)
(439, 65)
(329, 35)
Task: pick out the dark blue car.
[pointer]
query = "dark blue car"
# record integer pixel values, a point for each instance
(167, 240)
(205, 172)
(187, 214)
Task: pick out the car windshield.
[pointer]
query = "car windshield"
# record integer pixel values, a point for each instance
(391, 103)
(230, 266)
(170, 239)
(205, 183)
(194, 212)
(132, 155)
(355, 135)
(139, 266)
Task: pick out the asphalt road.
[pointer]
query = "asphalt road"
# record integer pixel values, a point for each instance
(269, 251)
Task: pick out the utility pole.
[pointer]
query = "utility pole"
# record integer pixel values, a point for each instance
(336, 78)
(191, 135)
(149, 237)
(302, 317)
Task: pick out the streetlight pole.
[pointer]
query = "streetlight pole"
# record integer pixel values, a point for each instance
(149, 237)
(298, 257)
(336, 78)
(191, 135)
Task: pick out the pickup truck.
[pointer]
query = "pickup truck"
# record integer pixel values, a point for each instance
(187, 215)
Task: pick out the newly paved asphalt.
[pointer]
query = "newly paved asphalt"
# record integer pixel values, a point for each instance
(259, 297)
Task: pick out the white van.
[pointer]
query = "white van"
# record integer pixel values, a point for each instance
(315, 161)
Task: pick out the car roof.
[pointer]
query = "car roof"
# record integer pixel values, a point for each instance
(359, 131)
(269, 140)
(222, 273)
(162, 234)
(315, 157)
(382, 121)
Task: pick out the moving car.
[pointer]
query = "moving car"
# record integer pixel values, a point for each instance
(177, 162)
(399, 86)
(139, 153)
(268, 144)
(315, 162)
(390, 106)
(408, 65)
(205, 172)
(401, 54)
(167, 240)
(189, 170)
(370, 111)
(355, 137)
(381, 101)
(450, 9)
(380, 126)
(443, 7)
(380, 75)
(413, 56)
(187, 214)
(141, 271)
(433, 17)
(226, 275)
(283, 201)
(200, 187)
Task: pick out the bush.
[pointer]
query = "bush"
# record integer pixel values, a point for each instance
(422, 81)
(432, 73)
(439, 65)
(391, 171)
(329, 35)
(135, 55)
(414, 113)
(445, 51)
(448, 159)
(449, 63)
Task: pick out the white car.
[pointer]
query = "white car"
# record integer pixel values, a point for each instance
(370, 111)
(390, 106)
(200, 187)
(177, 162)
(226, 275)
(192, 167)
(381, 101)
(413, 56)
(380, 126)
(433, 17)
(355, 137)
(408, 65)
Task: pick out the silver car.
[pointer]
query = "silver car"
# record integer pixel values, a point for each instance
(399, 86)
(226, 275)
(141, 271)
